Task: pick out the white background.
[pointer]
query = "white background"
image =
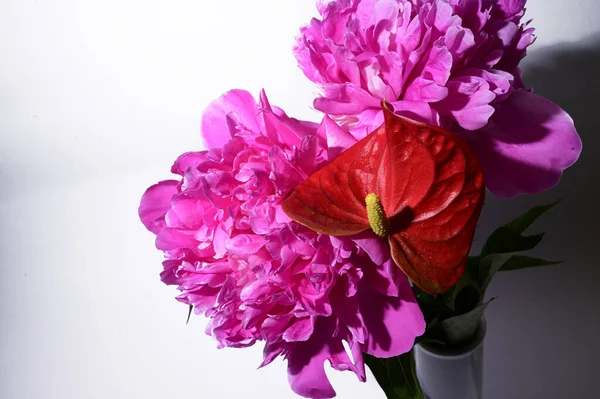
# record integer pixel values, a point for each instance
(96, 101)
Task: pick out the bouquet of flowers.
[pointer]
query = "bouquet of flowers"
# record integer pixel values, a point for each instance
(348, 240)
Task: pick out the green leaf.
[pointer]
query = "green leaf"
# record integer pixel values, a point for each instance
(491, 264)
(464, 296)
(505, 240)
(509, 238)
(525, 220)
(466, 293)
(189, 314)
(521, 262)
(472, 263)
(396, 376)
(429, 304)
(461, 328)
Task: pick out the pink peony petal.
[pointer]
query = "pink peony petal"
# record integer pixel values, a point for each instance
(507, 33)
(300, 330)
(526, 146)
(375, 85)
(385, 11)
(374, 246)
(468, 102)
(189, 211)
(344, 99)
(307, 56)
(425, 90)
(438, 65)
(441, 16)
(191, 159)
(500, 82)
(459, 40)
(511, 7)
(337, 138)
(385, 279)
(420, 111)
(168, 239)
(280, 128)
(348, 311)
(244, 245)
(364, 123)
(271, 352)
(341, 361)
(392, 322)
(306, 372)
(234, 110)
(155, 203)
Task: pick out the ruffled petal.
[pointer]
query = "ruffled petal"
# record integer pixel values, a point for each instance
(386, 278)
(468, 102)
(393, 323)
(345, 99)
(338, 139)
(168, 239)
(155, 203)
(526, 146)
(374, 246)
(306, 371)
(233, 111)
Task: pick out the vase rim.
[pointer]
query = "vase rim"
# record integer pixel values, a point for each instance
(457, 351)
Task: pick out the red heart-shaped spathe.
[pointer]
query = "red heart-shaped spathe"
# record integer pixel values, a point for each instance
(430, 185)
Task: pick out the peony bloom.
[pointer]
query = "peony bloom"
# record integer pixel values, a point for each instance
(259, 276)
(451, 63)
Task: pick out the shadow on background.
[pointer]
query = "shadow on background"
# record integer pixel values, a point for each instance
(544, 338)
(568, 75)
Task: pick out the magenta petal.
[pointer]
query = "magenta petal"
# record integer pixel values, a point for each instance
(426, 90)
(244, 245)
(169, 273)
(438, 65)
(168, 239)
(386, 278)
(186, 160)
(365, 123)
(337, 138)
(270, 352)
(526, 145)
(417, 110)
(393, 323)
(468, 102)
(511, 7)
(155, 203)
(234, 110)
(279, 127)
(301, 330)
(459, 39)
(374, 246)
(345, 99)
(306, 371)
(340, 360)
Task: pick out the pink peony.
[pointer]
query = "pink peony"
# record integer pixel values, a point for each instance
(259, 276)
(451, 63)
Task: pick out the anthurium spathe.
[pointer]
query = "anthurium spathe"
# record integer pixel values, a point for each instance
(418, 186)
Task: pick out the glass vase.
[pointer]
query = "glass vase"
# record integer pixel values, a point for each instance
(452, 372)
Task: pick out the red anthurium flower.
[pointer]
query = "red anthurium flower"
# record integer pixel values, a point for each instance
(419, 186)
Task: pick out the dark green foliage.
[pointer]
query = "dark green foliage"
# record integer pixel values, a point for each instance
(453, 317)
(396, 375)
